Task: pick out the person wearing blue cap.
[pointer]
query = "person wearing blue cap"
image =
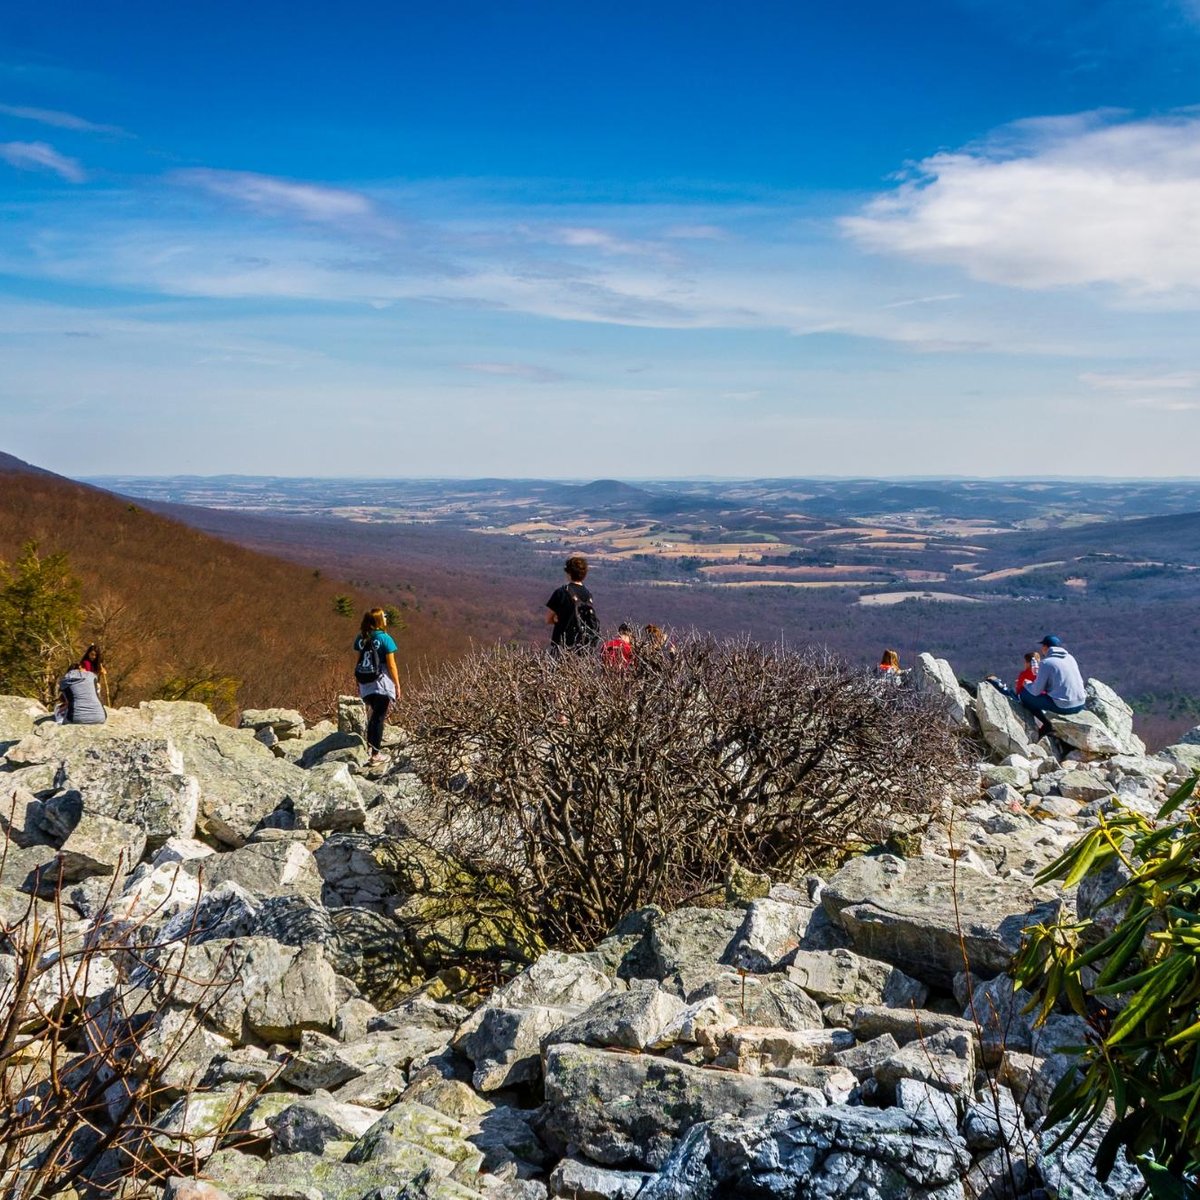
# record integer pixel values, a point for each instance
(1058, 687)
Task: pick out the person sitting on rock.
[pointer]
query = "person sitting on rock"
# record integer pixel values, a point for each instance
(889, 666)
(1026, 677)
(79, 697)
(1058, 686)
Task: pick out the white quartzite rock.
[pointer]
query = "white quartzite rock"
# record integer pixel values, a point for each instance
(627, 1110)
(1005, 728)
(905, 912)
(1085, 731)
(936, 676)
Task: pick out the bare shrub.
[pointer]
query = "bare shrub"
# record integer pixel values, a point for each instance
(594, 790)
(91, 1056)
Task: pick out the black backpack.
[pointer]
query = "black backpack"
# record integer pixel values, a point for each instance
(586, 631)
(370, 665)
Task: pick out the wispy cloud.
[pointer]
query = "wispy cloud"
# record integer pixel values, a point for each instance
(603, 240)
(1055, 203)
(39, 156)
(59, 120)
(272, 196)
(1170, 391)
(1172, 381)
(516, 370)
(696, 233)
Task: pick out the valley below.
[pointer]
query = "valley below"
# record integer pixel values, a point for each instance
(977, 570)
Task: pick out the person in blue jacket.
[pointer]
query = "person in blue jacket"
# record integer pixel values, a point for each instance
(1058, 687)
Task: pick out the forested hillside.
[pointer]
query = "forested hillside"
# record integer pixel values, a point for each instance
(183, 614)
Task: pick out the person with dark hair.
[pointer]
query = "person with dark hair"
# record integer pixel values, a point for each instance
(79, 693)
(1058, 687)
(572, 613)
(618, 651)
(93, 662)
(377, 677)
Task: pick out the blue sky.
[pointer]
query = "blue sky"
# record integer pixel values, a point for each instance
(581, 240)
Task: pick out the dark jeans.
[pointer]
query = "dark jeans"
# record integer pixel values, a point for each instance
(1041, 705)
(377, 711)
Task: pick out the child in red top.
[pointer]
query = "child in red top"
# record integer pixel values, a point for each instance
(618, 651)
(1030, 673)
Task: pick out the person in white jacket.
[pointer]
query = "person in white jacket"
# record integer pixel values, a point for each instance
(1058, 687)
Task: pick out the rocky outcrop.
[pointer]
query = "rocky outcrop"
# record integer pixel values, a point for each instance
(338, 1011)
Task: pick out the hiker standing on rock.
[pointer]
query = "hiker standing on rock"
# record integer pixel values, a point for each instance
(572, 612)
(378, 679)
(1057, 687)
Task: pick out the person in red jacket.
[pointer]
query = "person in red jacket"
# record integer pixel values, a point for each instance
(1026, 677)
(618, 651)
(1029, 674)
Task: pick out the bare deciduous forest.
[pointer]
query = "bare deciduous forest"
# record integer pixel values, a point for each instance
(176, 609)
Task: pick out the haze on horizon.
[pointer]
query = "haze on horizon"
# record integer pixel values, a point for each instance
(689, 240)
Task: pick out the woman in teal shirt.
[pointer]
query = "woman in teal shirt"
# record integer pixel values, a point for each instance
(378, 679)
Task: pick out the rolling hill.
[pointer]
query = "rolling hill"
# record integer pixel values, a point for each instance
(173, 605)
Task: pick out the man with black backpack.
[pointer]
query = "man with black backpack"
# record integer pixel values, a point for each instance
(572, 613)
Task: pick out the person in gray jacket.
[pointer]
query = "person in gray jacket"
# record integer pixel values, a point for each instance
(80, 698)
(1058, 687)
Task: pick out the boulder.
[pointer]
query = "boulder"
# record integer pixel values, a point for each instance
(140, 781)
(330, 801)
(263, 869)
(691, 939)
(769, 931)
(1085, 731)
(934, 1108)
(635, 1019)
(101, 846)
(758, 1051)
(768, 1000)
(830, 976)
(840, 1151)
(1115, 713)
(574, 1179)
(1083, 786)
(625, 1110)
(311, 1123)
(18, 718)
(191, 1128)
(285, 723)
(945, 1061)
(505, 1043)
(503, 1038)
(935, 677)
(1007, 728)
(922, 914)
(407, 1126)
(253, 987)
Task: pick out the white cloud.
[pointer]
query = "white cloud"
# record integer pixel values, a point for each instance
(515, 370)
(60, 120)
(596, 239)
(1171, 392)
(38, 156)
(272, 196)
(1053, 203)
(1174, 381)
